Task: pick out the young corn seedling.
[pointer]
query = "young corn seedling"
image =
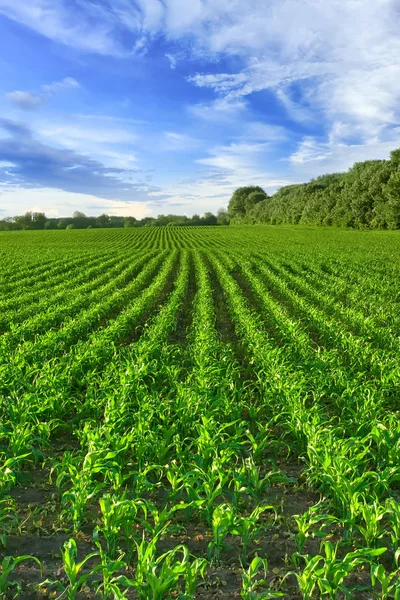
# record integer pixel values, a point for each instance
(161, 518)
(155, 577)
(117, 521)
(393, 509)
(73, 571)
(248, 529)
(329, 572)
(371, 515)
(389, 583)
(250, 480)
(307, 520)
(193, 570)
(223, 523)
(7, 566)
(83, 486)
(255, 587)
(9, 472)
(8, 518)
(108, 587)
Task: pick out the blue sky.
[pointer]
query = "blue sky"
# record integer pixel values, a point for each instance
(142, 107)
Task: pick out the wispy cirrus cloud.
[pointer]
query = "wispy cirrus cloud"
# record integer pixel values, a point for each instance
(37, 164)
(59, 86)
(342, 56)
(32, 101)
(25, 100)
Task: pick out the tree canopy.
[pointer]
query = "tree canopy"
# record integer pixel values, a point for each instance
(81, 221)
(366, 196)
(243, 200)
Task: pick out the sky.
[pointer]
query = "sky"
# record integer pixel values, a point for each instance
(147, 107)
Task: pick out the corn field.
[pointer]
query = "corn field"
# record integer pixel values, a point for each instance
(200, 413)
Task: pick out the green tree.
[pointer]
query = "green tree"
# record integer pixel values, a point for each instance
(222, 216)
(237, 203)
(130, 222)
(208, 219)
(103, 220)
(392, 205)
(80, 220)
(24, 221)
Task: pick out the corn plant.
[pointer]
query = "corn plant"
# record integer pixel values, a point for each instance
(223, 523)
(328, 572)
(389, 582)
(109, 586)
(117, 522)
(254, 587)
(248, 528)
(8, 518)
(156, 576)
(309, 519)
(393, 510)
(7, 566)
(74, 571)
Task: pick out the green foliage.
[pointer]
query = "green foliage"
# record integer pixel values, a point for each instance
(254, 587)
(240, 204)
(7, 566)
(221, 390)
(367, 196)
(81, 221)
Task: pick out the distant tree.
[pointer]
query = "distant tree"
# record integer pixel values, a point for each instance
(237, 203)
(391, 209)
(63, 222)
(253, 199)
(23, 221)
(130, 222)
(195, 220)
(38, 220)
(103, 220)
(222, 216)
(79, 220)
(70, 226)
(208, 219)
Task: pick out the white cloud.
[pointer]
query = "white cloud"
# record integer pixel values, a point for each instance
(110, 140)
(296, 111)
(222, 83)
(66, 23)
(259, 131)
(179, 141)
(172, 60)
(342, 57)
(310, 150)
(25, 100)
(32, 101)
(234, 156)
(80, 132)
(313, 157)
(58, 86)
(220, 109)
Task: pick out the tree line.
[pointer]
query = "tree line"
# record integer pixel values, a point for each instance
(38, 220)
(366, 196)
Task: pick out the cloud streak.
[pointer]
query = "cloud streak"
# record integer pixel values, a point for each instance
(36, 164)
(25, 100)
(32, 101)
